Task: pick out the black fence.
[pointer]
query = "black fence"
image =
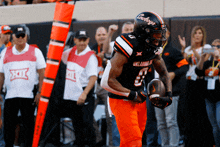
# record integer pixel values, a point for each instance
(40, 32)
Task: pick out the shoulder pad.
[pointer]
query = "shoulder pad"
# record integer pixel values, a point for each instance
(124, 44)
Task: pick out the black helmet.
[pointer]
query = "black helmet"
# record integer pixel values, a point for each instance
(148, 23)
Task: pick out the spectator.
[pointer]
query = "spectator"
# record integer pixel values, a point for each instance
(101, 93)
(100, 37)
(196, 118)
(1, 125)
(19, 137)
(5, 2)
(19, 66)
(54, 116)
(124, 74)
(47, 1)
(210, 70)
(2, 143)
(108, 44)
(198, 40)
(16, 2)
(81, 75)
(127, 27)
(21, 2)
(5, 35)
(177, 67)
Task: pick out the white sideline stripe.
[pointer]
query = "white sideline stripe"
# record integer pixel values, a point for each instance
(124, 45)
(56, 43)
(60, 25)
(48, 81)
(52, 62)
(43, 99)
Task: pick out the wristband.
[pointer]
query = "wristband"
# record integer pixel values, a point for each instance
(38, 92)
(132, 95)
(142, 95)
(136, 96)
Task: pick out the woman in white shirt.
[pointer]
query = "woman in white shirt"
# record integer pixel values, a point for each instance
(198, 131)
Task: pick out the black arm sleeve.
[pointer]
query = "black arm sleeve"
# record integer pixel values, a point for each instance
(182, 70)
(178, 59)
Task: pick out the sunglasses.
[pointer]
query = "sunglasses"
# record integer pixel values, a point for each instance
(20, 35)
(218, 46)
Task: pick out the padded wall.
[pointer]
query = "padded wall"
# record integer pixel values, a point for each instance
(40, 32)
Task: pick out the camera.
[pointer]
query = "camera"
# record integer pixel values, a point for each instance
(208, 50)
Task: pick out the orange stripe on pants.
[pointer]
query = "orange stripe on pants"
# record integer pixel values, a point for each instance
(131, 121)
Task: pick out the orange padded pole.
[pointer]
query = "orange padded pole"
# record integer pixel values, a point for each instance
(60, 28)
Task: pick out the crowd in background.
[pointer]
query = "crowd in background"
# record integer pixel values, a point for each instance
(23, 2)
(196, 110)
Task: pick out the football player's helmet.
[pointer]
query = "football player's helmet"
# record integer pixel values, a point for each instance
(147, 25)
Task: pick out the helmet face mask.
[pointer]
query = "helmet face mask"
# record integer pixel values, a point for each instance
(150, 28)
(158, 38)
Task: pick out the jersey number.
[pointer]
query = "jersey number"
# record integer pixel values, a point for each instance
(141, 75)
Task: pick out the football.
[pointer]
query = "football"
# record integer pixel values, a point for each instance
(156, 88)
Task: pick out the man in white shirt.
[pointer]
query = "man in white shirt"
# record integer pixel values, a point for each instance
(19, 66)
(81, 75)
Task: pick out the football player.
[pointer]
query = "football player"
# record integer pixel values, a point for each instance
(123, 77)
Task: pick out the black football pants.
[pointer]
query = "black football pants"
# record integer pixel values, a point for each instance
(82, 120)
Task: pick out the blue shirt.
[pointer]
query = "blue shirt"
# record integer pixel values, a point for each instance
(2, 47)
